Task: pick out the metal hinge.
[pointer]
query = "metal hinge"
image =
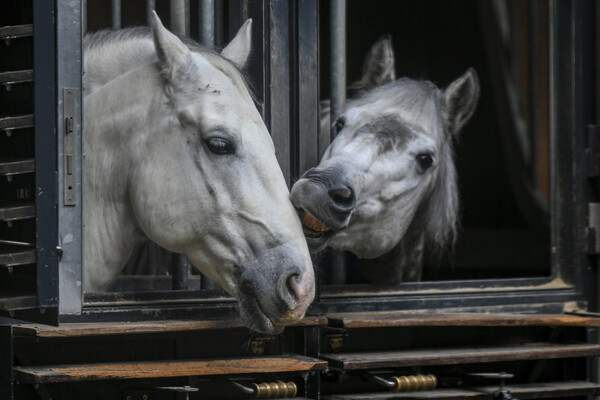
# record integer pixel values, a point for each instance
(69, 166)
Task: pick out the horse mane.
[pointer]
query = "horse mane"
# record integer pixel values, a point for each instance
(111, 53)
(421, 100)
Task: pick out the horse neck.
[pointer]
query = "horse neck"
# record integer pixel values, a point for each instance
(404, 263)
(109, 144)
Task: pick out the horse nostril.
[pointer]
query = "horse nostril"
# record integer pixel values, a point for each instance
(292, 286)
(343, 196)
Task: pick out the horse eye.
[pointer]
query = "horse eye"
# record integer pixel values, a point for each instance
(339, 124)
(425, 161)
(220, 146)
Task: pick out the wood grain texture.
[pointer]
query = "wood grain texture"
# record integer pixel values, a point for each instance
(523, 391)
(125, 328)
(392, 319)
(452, 356)
(166, 369)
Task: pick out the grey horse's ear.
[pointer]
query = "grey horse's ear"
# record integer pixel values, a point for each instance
(378, 68)
(238, 50)
(459, 101)
(173, 56)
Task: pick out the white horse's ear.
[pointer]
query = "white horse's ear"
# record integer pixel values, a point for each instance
(379, 66)
(173, 56)
(459, 101)
(238, 50)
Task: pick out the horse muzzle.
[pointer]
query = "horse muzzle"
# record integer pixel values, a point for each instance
(325, 202)
(275, 289)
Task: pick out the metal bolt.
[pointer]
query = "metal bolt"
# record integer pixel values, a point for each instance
(145, 397)
(127, 397)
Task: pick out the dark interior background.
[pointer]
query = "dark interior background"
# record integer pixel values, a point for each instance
(439, 40)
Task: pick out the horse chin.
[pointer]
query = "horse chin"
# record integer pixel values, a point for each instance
(255, 318)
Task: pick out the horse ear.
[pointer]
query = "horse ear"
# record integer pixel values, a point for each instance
(460, 100)
(173, 56)
(238, 50)
(378, 67)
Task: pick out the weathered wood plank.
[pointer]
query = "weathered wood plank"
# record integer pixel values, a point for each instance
(124, 328)
(452, 356)
(392, 319)
(522, 391)
(166, 369)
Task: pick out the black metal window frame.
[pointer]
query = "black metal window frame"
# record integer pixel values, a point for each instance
(287, 61)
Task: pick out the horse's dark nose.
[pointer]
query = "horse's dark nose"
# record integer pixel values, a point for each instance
(343, 199)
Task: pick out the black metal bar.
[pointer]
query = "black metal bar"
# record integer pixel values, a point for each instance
(308, 84)
(116, 14)
(338, 104)
(45, 152)
(207, 22)
(279, 82)
(6, 362)
(150, 6)
(338, 59)
(178, 16)
(181, 273)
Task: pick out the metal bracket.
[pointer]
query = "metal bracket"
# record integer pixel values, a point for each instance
(70, 164)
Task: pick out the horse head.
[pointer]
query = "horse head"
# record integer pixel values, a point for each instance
(391, 157)
(195, 171)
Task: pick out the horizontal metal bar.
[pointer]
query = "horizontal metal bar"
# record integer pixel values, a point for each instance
(13, 166)
(16, 31)
(11, 77)
(19, 122)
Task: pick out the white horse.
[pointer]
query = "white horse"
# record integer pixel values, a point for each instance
(387, 184)
(176, 151)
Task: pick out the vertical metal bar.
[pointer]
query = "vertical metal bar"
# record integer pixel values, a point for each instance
(68, 75)
(338, 59)
(46, 193)
(280, 83)
(6, 362)
(181, 273)
(83, 17)
(178, 16)
(308, 84)
(338, 103)
(150, 6)
(116, 14)
(207, 22)
(219, 23)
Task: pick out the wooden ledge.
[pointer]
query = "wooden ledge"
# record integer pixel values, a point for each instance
(399, 319)
(166, 369)
(83, 329)
(453, 356)
(521, 391)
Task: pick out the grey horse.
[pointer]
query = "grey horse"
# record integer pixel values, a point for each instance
(176, 152)
(386, 186)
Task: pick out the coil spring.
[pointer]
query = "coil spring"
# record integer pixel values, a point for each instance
(275, 390)
(413, 383)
